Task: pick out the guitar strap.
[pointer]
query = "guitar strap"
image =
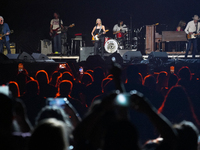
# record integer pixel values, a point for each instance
(197, 27)
(100, 29)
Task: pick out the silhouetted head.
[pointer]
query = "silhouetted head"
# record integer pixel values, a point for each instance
(176, 105)
(54, 78)
(65, 88)
(32, 87)
(150, 82)
(187, 135)
(21, 77)
(53, 112)
(162, 78)
(109, 86)
(49, 134)
(14, 88)
(67, 76)
(133, 75)
(121, 135)
(87, 79)
(185, 73)
(173, 79)
(42, 77)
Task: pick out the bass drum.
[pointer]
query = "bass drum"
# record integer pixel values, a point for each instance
(111, 46)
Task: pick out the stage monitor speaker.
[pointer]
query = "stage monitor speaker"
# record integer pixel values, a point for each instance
(122, 51)
(157, 56)
(117, 56)
(21, 57)
(132, 56)
(12, 56)
(39, 56)
(85, 52)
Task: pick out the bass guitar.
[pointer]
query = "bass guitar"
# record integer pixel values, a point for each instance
(192, 36)
(96, 37)
(55, 31)
(2, 35)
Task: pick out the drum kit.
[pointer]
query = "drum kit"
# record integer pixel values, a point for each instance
(112, 45)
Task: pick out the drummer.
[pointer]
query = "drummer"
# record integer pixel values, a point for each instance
(120, 29)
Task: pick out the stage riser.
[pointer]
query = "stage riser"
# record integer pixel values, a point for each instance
(85, 52)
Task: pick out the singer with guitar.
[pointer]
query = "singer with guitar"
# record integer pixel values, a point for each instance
(99, 29)
(4, 30)
(192, 30)
(56, 23)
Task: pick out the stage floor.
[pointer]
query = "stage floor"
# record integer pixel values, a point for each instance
(76, 58)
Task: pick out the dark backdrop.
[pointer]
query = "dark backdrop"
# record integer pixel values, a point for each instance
(30, 19)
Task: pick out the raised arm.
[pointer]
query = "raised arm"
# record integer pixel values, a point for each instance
(163, 125)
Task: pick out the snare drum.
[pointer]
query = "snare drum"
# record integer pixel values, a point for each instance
(120, 35)
(106, 39)
(111, 46)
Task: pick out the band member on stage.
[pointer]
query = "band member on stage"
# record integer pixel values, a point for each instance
(120, 28)
(191, 28)
(4, 29)
(56, 23)
(181, 26)
(99, 29)
(180, 44)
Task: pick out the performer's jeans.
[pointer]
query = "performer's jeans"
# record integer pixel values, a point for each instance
(57, 43)
(7, 44)
(194, 41)
(99, 44)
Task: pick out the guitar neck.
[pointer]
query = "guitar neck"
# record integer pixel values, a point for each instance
(101, 33)
(4, 34)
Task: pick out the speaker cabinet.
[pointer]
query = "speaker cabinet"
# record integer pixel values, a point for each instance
(85, 52)
(25, 57)
(132, 56)
(39, 56)
(158, 56)
(12, 56)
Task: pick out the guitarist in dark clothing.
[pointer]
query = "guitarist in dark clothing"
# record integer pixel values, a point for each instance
(4, 29)
(99, 43)
(55, 28)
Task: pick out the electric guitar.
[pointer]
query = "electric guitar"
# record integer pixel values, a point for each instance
(96, 37)
(55, 31)
(192, 36)
(2, 35)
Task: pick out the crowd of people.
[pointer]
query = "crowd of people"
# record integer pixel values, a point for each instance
(120, 109)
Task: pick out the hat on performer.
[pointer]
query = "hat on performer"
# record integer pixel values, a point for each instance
(196, 17)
